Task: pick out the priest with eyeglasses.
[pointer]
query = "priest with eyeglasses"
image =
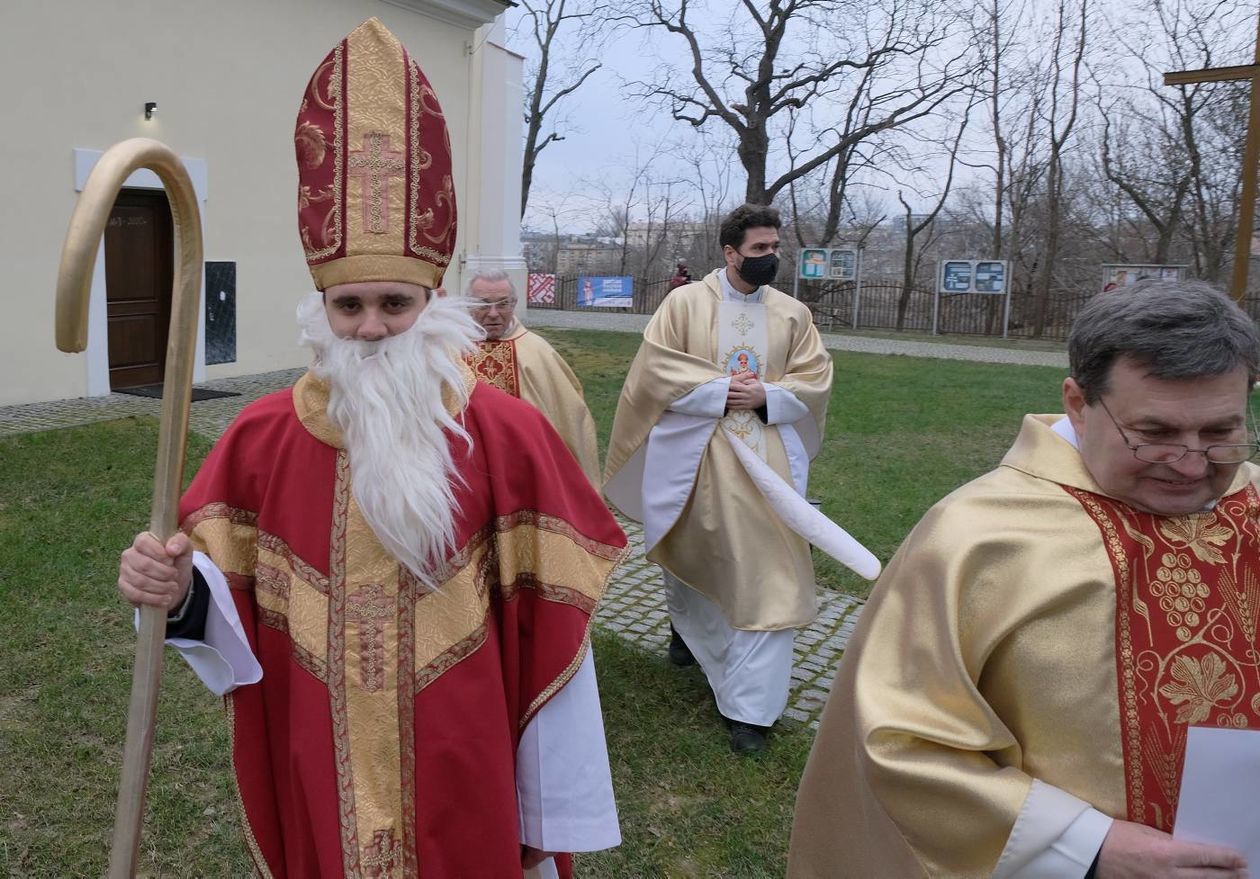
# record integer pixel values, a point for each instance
(1017, 697)
(523, 364)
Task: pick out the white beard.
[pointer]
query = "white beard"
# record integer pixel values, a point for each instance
(386, 398)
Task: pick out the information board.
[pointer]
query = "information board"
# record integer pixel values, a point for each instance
(971, 276)
(605, 292)
(990, 277)
(955, 276)
(842, 264)
(1117, 275)
(812, 265)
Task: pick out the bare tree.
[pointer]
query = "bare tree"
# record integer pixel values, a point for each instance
(1150, 169)
(1066, 62)
(552, 214)
(1023, 190)
(914, 229)
(999, 21)
(707, 160)
(643, 210)
(544, 20)
(1152, 136)
(830, 75)
(1216, 190)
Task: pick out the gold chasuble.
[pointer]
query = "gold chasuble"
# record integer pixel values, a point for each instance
(524, 365)
(727, 543)
(1030, 628)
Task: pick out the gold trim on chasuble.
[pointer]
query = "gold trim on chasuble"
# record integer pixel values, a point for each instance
(495, 364)
(548, 555)
(374, 748)
(1187, 610)
(229, 535)
(247, 830)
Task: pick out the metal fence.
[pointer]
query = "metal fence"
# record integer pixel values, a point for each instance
(648, 296)
(879, 302)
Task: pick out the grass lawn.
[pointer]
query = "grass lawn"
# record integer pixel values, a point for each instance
(902, 433)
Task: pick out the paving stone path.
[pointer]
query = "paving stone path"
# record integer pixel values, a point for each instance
(634, 606)
(634, 323)
(208, 418)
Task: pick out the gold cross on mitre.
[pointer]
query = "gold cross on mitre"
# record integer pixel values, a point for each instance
(1251, 155)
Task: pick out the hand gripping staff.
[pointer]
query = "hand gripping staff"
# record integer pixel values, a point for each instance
(74, 283)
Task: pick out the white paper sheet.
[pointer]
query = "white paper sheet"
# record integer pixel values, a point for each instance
(1218, 790)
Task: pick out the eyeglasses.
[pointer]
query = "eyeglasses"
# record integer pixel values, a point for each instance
(1171, 453)
(498, 304)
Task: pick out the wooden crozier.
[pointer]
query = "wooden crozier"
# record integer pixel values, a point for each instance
(74, 283)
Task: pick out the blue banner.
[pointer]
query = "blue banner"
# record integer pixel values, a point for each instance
(599, 292)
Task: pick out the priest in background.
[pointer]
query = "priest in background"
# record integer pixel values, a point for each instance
(1015, 700)
(390, 568)
(728, 358)
(522, 363)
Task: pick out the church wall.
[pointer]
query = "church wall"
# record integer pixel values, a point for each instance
(228, 77)
(492, 239)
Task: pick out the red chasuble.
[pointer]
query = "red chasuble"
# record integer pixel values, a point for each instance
(382, 738)
(494, 362)
(1187, 608)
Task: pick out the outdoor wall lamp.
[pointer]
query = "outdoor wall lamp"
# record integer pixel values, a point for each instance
(150, 107)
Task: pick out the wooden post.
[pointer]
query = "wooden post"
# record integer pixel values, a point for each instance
(1251, 156)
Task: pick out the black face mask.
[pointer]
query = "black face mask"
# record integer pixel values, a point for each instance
(758, 270)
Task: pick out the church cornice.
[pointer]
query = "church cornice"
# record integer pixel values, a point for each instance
(470, 14)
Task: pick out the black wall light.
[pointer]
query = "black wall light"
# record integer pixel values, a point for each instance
(150, 107)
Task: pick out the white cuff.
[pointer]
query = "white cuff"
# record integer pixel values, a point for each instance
(783, 406)
(708, 399)
(224, 660)
(1056, 836)
(563, 782)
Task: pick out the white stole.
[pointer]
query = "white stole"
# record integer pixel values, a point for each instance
(743, 347)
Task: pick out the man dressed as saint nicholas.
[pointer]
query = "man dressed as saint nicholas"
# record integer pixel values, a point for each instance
(390, 568)
(693, 411)
(521, 363)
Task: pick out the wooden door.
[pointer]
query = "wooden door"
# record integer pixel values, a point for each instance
(139, 264)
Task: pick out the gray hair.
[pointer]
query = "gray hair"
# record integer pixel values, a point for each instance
(492, 276)
(1175, 329)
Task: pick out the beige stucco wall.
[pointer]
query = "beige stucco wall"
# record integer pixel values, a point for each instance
(228, 77)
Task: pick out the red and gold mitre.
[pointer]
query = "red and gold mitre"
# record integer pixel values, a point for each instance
(375, 197)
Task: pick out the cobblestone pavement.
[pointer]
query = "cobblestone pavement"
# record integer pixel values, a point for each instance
(634, 323)
(634, 607)
(209, 417)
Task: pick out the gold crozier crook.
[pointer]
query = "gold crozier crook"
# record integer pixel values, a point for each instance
(74, 285)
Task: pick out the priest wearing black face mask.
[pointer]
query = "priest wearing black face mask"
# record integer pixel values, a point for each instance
(731, 370)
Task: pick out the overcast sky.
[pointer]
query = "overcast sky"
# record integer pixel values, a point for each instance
(605, 127)
(608, 131)
(602, 126)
